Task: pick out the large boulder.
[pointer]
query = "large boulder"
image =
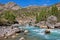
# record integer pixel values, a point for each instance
(42, 24)
(49, 25)
(52, 19)
(7, 31)
(57, 25)
(47, 31)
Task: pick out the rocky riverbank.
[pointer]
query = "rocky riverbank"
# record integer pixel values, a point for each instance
(51, 22)
(6, 31)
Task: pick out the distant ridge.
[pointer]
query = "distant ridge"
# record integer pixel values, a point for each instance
(14, 6)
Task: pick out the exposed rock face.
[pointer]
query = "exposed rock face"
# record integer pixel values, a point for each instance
(51, 21)
(15, 25)
(15, 8)
(49, 25)
(1, 6)
(58, 5)
(9, 5)
(57, 25)
(42, 24)
(7, 31)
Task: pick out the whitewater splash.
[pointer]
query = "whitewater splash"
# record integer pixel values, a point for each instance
(35, 31)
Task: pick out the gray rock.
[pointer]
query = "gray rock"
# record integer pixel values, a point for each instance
(5, 32)
(42, 24)
(22, 38)
(47, 31)
(49, 25)
(15, 25)
(26, 31)
(52, 19)
(57, 25)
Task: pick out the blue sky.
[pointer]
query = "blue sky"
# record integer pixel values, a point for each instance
(24, 3)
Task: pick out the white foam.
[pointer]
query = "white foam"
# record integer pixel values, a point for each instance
(40, 33)
(46, 36)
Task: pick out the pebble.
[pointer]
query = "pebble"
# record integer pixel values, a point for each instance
(22, 38)
(13, 36)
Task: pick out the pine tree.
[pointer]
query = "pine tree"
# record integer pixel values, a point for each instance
(54, 11)
(40, 16)
(37, 18)
(9, 15)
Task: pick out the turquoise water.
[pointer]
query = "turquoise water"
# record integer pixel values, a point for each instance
(38, 34)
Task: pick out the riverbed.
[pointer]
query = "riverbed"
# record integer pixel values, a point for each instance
(35, 33)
